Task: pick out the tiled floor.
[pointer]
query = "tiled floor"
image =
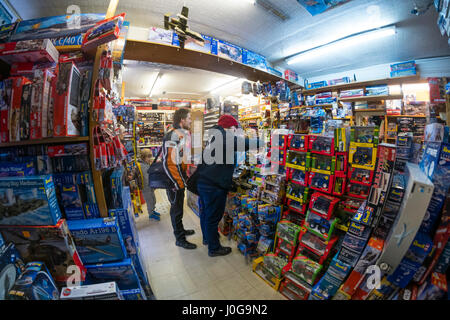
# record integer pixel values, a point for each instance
(180, 274)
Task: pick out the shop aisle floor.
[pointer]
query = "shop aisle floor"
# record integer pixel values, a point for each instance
(180, 274)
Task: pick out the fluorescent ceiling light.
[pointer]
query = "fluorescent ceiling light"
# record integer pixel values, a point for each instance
(158, 76)
(342, 43)
(227, 84)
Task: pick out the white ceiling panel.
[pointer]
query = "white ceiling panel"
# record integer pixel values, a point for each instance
(254, 28)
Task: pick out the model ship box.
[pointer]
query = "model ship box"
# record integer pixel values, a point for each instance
(28, 201)
(98, 240)
(40, 50)
(52, 245)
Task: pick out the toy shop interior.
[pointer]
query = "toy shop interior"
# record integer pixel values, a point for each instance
(344, 198)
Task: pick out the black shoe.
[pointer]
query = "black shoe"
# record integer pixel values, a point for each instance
(222, 251)
(189, 232)
(205, 243)
(185, 244)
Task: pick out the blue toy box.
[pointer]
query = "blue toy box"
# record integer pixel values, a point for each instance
(133, 294)
(11, 266)
(35, 283)
(412, 260)
(98, 240)
(404, 73)
(16, 169)
(122, 272)
(316, 85)
(254, 60)
(229, 51)
(28, 201)
(127, 228)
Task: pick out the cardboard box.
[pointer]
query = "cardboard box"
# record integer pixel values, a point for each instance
(101, 291)
(52, 245)
(67, 102)
(28, 201)
(5, 104)
(25, 110)
(98, 240)
(122, 272)
(15, 107)
(35, 283)
(36, 51)
(133, 294)
(16, 169)
(40, 101)
(229, 51)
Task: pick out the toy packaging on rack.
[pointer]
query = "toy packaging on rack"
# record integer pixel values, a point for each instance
(323, 205)
(101, 291)
(28, 201)
(315, 247)
(321, 182)
(297, 193)
(288, 231)
(321, 145)
(36, 51)
(52, 245)
(319, 226)
(98, 240)
(306, 269)
(11, 266)
(35, 283)
(40, 101)
(103, 32)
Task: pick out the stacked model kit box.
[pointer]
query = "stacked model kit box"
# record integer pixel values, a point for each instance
(66, 95)
(98, 240)
(41, 50)
(141, 270)
(52, 245)
(28, 201)
(354, 243)
(101, 291)
(25, 109)
(412, 261)
(35, 283)
(16, 169)
(133, 294)
(229, 51)
(17, 85)
(41, 98)
(5, 103)
(123, 273)
(127, 227)
(11, 266)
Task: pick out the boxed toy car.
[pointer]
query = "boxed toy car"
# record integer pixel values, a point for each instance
(315, 248)
(66, 95)
(35, 283)
(274, 264)
(297, 176)
(286, 247)
(36, 51)
(122, 272)
(98, 240)
(297, 192)
(323, 205)
(306, 269)
(28, 201)
(101, 291)
(362, 157)
(297, 160)
(52, 245)
(40, 101)
(321, 145)
(292, 292)
(321, 182)
(321, 227)
(288, 231)
(11, 266)
(296, 206)
(357, 190)
(298, 142)
(359, 175)
(297, 285)
(322, 164)
(361, 134)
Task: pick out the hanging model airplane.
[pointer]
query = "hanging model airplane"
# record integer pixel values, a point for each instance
(180, 27)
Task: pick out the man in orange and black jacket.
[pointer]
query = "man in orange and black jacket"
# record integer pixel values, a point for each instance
(174, 163)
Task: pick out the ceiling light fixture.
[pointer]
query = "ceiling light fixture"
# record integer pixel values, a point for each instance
(342, 43)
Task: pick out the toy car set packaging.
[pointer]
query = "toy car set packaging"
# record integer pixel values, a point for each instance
(306, 269)
(297, 176)
(297, 160)
(35, 283)
(52, 245)
(321, 182)
(321, 145)
(298, 142)
(299, 288)
(101, 291)
(11, 266)
(323, 205)
(274, 264)
(319, 226)
(322, 164)
(320, 248)
(297, 192)
(36, 51)
(28, 201)
(288, 231)
(286, 247)
(364, 135)
(362, 157)
(98, 240)
(358, 175)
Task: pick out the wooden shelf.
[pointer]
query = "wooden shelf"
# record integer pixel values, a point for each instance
(370, 110)
(362, 84)
(372, 98)
(167, 54)
(45, 141)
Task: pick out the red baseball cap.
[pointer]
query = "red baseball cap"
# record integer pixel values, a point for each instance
(226, 121)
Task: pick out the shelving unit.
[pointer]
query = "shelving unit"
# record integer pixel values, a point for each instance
(372, 98)
(45, 141)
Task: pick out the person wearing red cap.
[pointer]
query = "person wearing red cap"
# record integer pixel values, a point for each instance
(215, 180)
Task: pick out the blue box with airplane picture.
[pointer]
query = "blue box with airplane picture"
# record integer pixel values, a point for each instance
(98, 240)
(229, 51)
(29, 201)
(122, 272)
(254, 60)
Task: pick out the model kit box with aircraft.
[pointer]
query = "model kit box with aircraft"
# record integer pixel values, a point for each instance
(122, 272)
(98, 240)
(101, 291)
(28, 201)
(52, 245)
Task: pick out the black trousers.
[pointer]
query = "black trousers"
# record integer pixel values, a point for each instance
(176, 199)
